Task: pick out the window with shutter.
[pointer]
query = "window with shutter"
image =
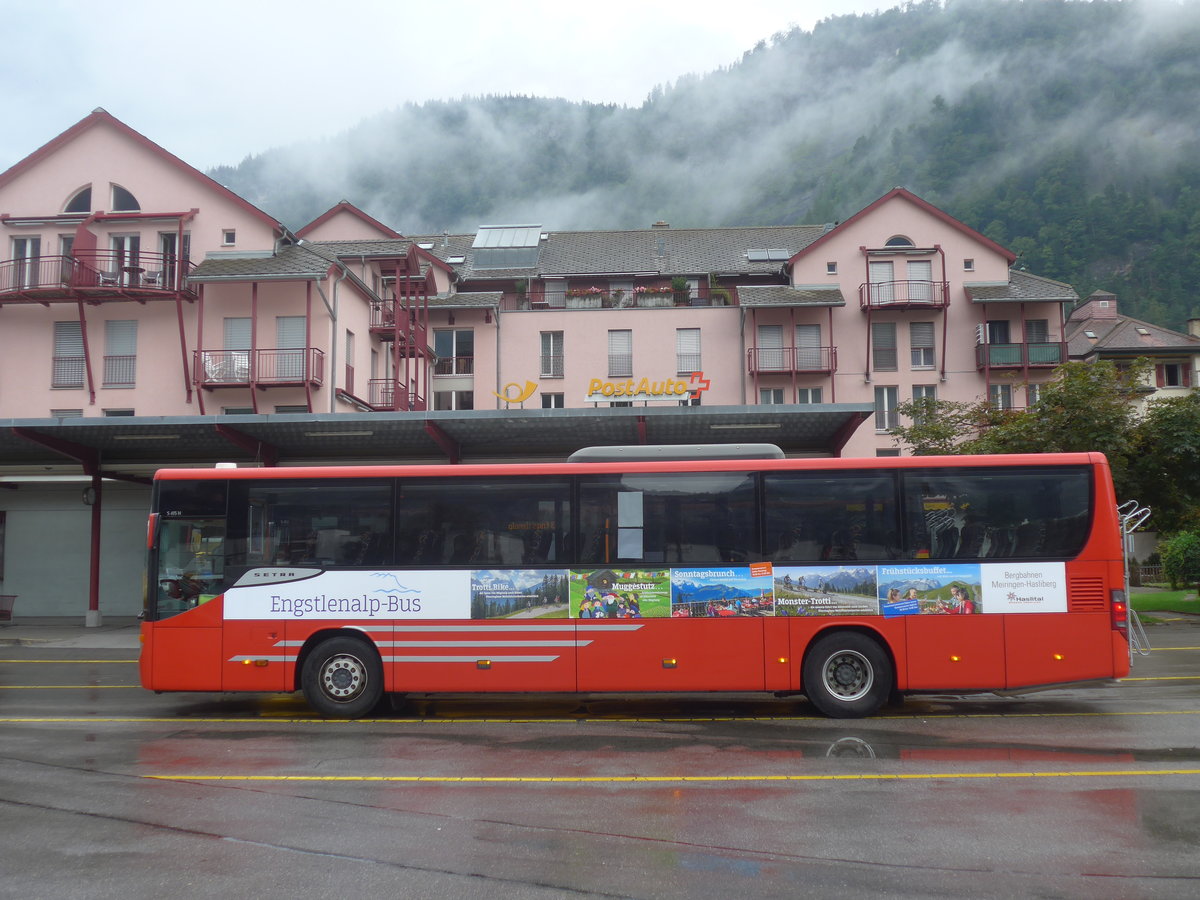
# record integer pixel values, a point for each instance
(120, 353)
(808, 347)
(770, 348)
(921, 347)
(687, 351)
(620, 354)
(67, 368)
(883, 346)
(289, 354)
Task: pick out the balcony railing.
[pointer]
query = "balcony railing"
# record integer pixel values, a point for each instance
(68, 372)
(455, 365)
(769, 360)
(903, 294)
(93, 273)
(558, 300)
(620, 365)
(382, 395)
(1020, 356)
(261, 368)
(120, 371)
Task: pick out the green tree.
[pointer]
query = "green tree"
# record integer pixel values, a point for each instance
(1181, 559)
(1165, 462)
(1088, 407)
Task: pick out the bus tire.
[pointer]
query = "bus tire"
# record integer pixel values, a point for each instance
(847, 675)
(342, 678)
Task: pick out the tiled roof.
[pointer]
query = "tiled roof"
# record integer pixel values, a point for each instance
(477, 300)
(1021, 288)
(1123, 336)
(375, 249)
(293, 261)
(782, 295)
(649, 251)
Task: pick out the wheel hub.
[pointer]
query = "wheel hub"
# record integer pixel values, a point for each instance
(849, 675)
(343, 677)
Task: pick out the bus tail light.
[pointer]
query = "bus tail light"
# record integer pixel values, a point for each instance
(1120, 612)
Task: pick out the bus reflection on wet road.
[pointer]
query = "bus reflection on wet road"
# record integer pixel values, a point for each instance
(109, 790)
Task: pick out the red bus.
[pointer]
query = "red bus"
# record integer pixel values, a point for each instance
(851, 581)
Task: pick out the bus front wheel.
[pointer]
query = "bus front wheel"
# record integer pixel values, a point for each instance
(847, 675)
(342, 678)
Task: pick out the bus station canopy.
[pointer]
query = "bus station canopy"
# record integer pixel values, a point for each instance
(132, 447)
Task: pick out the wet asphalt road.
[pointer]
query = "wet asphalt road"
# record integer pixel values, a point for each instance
(110, 791)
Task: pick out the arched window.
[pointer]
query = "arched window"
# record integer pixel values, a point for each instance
(899, 240)
(81, 202)
(123, 200)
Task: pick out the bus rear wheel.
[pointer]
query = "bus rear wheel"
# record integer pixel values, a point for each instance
(847, 675)
(342, 678)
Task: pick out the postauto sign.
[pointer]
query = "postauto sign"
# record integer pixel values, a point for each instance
(601, 390)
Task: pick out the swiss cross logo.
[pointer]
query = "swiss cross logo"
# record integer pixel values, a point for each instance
(701, 383)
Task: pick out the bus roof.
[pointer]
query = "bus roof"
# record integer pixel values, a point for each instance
(632, 466)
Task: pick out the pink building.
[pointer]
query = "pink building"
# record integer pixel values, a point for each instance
(132, 285)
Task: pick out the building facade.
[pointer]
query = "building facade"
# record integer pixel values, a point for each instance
(132, 285)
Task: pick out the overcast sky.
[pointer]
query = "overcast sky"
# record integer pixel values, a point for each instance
(213, 81)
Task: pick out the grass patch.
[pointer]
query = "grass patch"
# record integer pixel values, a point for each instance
(1165, 601)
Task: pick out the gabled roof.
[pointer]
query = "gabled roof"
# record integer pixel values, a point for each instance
(393, 249)
(347, 207)
(100, 117)
(908, 196)
(1125, 337)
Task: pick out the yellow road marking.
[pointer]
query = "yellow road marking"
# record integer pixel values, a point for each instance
(1164, 649)
(660, 779)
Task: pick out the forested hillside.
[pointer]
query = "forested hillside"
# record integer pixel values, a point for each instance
(1067, 131)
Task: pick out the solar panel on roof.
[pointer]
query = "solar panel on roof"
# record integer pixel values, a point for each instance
(498, 236)
(775, 254)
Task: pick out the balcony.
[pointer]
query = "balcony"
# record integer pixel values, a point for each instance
(1041, 355)
(604, 299)
(383, 394)
(454, 365)
(94, 276)
(903, 295)
(788, 360)
(259, 368)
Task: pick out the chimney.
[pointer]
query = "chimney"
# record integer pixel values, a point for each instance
(1098, 305)
(1193, 327)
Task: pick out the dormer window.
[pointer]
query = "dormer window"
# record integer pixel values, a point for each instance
(123, 201)
(899, 240)
(81, 202)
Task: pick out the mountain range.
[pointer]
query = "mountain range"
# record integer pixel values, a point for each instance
(1067, 131)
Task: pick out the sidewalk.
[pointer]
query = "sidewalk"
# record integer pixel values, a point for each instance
(117, 633)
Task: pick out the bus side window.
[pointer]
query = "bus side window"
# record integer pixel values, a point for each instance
(997, 514)
(812, 517)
